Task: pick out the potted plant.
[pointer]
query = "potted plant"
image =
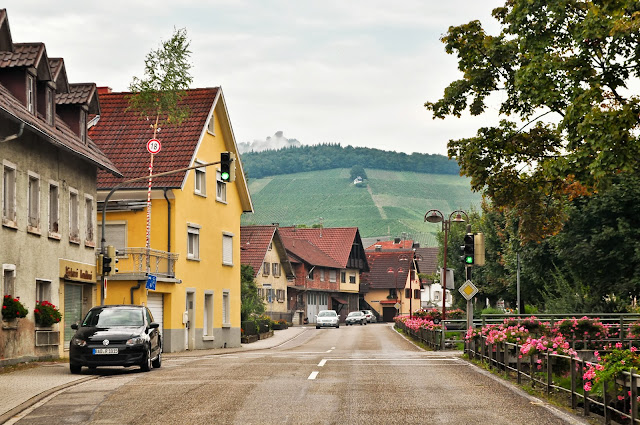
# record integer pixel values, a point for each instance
(12, 309)
(46, 314)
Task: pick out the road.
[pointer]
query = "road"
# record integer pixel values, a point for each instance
(351, 375)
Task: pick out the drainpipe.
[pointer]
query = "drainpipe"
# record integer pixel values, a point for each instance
(14, 136)
(133, 288)
(168, 220)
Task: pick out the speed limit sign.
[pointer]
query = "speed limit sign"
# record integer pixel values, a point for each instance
(153, 146)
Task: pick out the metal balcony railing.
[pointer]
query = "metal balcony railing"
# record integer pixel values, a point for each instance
(135, 261)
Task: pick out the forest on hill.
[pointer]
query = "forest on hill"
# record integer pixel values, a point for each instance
(332, 155)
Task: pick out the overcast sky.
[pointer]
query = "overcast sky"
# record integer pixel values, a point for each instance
(354, 72)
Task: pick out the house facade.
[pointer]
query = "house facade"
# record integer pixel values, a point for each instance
(194, 231)
(48, 233)
(327, 264)
(392, 285)
(261, 247)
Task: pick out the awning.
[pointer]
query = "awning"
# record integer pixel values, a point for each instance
(340, 301)
(388, 301)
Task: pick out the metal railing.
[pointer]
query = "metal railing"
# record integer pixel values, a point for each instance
(134, 261)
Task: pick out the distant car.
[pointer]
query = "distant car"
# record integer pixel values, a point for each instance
(327, 318)
(371, 318)
(116, 335)
(356, 317)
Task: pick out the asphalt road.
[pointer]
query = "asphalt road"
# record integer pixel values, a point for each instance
(351, 375)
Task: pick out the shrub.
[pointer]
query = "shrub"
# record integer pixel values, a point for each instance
(12, 308)
(46, 313)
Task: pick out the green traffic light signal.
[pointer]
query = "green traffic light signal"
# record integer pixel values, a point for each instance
(468, 249)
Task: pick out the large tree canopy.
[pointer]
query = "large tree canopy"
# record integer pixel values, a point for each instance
(566, 70)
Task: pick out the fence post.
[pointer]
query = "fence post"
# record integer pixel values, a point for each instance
(518, 364)
(605, 402)
(634, 397)
(549, 375)
(586, 393)
(572, 367)
(622, 331)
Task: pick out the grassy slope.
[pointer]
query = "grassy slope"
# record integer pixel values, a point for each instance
(404, 197)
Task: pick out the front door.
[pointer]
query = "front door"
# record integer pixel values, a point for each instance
(190, 326)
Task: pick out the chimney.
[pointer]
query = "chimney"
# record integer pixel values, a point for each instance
(104, 90)
(378, 248)
(397, 240)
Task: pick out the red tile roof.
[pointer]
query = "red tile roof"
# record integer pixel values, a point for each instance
(23, 54)
(403, 244)
(122, 134)
(387, 269)
(309, 253)
(427, 259)
(334, 242)
(254, 242)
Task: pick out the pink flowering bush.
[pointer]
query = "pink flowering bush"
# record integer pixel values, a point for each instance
(547, 344)
(609, 367)
(417, 323)
(585, 329)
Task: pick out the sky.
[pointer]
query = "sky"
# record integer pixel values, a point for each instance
(354, 72)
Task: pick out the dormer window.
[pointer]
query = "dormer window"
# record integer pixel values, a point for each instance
(83, 125)
(30, 94)
(211, 127)
(49, 106)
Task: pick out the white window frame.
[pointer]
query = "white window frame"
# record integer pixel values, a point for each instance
(9, 183)
(43, 290)
(322, 275)
(226, 306)
(31, 93)
(121, 228)
(193, 241)
(275, 267)
(54, 210)
(82, 125)
(33, 202)
(74, 218)
(227, 249)
(208, 312)
(266, 268)
(200, 180)
(8, 270)
(211, 125)
(49, 105)
(352, 278)
(89, 218)
(221, 189)
(332, 275)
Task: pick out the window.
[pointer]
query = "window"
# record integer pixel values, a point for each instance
(322, 275)
(227, 249)
(343, 277)
(436, 295)
(417, 294)
(270, 246)
(30, 93)
(74, 227)
(8, 279)
(310, 275)
(33, 199)
(225, 308)
(48, 105)
(332, 275)
(265, 269)
(82, 125)
(352, 278)
(9, 195)
(43, 290)
(54, 200)
(280, 295)
(200, 181)
(276, 269)
(407, 293)
(207, 328)
(115, 233)
(211, 126)
(193, 242)
(221, 188)
(89, 214)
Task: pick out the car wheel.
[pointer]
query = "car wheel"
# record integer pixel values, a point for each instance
(337, 326)
(158, 361)
(75, 368)
(317, 327)
(145, 366)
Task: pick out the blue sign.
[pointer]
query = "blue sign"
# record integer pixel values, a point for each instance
(151, 282)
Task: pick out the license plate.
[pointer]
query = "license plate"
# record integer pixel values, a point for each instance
(105, 351)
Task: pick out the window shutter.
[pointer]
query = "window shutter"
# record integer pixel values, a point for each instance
(227, 249)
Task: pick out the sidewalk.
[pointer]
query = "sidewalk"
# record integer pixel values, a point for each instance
(32, 384)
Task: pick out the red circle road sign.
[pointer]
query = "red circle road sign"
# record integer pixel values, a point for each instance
(154, 146)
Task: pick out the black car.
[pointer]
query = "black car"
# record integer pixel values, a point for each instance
(116, 335)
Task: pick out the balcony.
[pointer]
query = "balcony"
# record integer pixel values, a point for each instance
(138, 263)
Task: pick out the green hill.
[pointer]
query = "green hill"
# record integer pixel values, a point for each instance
(390, 203)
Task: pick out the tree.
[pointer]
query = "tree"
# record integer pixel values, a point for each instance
(251, 302)
(167, 77)
(357, 171)
(564, 68)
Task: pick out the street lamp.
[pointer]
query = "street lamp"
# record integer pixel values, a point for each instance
(435, 216)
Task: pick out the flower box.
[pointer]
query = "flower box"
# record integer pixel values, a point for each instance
(279, 326)
(248, 339)
(265, 335)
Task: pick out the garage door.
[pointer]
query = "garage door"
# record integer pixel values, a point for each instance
(156, 305)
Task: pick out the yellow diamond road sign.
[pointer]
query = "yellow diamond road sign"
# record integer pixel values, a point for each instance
(468, 290)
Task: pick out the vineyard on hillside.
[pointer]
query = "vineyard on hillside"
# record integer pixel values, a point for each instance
(389, 204)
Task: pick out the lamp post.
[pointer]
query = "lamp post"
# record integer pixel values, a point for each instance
(435, 216)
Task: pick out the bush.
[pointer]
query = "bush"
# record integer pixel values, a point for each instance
(12, 308)
(249, 327)
(492, 310)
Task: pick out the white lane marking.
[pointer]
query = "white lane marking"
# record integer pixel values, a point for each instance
(322, 362)
(313, 375)
(333, 348)
(328, 351)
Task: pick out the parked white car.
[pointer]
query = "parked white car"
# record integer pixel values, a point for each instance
(327, 318)
(356, 317)
(371, 318)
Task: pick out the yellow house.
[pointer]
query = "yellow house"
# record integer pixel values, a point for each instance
(194, 220)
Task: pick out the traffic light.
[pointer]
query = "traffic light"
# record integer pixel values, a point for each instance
(468, 249)
(227, 167)
(478, 250)
(99, 263)
(106, 265)
(113, 255)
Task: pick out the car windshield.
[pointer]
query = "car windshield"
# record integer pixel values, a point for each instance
(355, 313)
(110, 317)
(327, 313)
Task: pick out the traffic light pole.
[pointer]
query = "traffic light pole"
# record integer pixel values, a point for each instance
(103, 277)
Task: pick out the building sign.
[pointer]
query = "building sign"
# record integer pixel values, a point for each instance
(79, 272)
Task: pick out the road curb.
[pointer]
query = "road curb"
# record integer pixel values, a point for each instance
(35, 399)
